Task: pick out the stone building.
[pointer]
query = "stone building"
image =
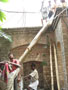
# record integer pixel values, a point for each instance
(56, 34)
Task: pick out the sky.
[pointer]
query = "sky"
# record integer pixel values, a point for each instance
(23, 19)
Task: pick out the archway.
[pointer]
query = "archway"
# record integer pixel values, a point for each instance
(27, 70)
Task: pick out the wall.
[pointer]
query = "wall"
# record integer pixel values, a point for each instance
(61, 37)
(5, 47)
(38, 54)
(21, 39)
(20, 36)
(65, 39)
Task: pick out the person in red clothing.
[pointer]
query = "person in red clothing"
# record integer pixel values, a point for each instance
(15, 65)
(14, 61)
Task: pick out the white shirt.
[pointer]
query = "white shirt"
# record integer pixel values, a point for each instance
(34, 75)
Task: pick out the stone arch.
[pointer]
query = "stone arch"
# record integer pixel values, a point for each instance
(27, 70)
(37, 54)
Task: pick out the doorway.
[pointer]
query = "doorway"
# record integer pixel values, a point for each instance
(27, 70)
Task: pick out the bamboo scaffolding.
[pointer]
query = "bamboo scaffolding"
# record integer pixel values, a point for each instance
(37, 37)
(35, 40)
(51, 67)
(56, 68)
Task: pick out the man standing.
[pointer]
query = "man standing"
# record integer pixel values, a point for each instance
(14, 67)
(34, 78)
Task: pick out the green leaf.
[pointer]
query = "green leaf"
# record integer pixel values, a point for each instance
(44, 54)
(7, 37)
(3, 0)
(2, 16)
(44, 63)
(0, 28)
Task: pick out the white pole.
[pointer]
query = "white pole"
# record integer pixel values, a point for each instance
(51, 67)
(56, 68)
(37, 37)
(35, 40)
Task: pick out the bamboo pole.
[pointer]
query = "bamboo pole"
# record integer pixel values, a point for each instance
(35, 40)
(56, 67)
(37, 37)
(51, 67)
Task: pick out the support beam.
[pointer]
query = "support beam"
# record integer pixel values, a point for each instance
(51, 67)
(37, 37)
(35, 40)
(56, 68)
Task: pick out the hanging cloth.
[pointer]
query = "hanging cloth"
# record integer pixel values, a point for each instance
(6, 72)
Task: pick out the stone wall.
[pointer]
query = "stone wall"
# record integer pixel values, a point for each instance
(5, 47)
(60, 52)
(20, 36)
(65, 39)
(40, 52)
(61, 38)
(21, 39)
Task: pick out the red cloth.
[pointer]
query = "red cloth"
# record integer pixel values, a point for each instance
(6, 72)
(14, 67)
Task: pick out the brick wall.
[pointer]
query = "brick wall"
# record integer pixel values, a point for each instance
(5, 46)
(61, 39)
(65, 39)
(21, 39)
(20, 36)
(38, 54)
(60, 52)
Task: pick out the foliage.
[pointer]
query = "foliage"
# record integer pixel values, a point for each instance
(3, 0)
(44, 54)
(44, 63)
(2, 18)
(7, 37)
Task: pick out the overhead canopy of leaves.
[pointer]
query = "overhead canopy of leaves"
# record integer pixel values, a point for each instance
(2, 16)
(3, 0)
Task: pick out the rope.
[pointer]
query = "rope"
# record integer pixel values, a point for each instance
(17, 11)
